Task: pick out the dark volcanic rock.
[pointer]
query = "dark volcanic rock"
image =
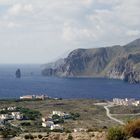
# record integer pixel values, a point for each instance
(18, 73)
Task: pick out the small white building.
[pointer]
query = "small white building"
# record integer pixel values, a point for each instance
(44, 119)
(59, 113)
(47, 124)
(4, 117)
(41, 97)
(27, 97)
(30, 97)
(17, 115)
(136, 103)
(11, 108)
(56, 127)
(125, 102)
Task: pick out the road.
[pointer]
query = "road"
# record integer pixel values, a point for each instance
(110, 116)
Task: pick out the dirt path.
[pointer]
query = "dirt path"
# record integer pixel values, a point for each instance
(110, 115)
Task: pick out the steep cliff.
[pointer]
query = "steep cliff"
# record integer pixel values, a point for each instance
(119, 62)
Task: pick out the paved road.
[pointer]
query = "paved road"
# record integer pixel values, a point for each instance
(110, 116)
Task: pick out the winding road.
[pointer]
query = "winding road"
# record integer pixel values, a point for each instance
(110, 116)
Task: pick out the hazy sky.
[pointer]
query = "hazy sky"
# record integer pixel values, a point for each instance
(38, 31)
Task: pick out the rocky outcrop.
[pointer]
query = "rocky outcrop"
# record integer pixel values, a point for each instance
(117, 62)
(18, 73)
(126, 68)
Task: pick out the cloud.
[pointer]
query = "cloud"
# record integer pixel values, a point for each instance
(87, 2)
(108, 2)
(76, 34)
(17, 9)
(129, 12)
(54, 26)
(108, 24)
(9, 25)
(133, 33)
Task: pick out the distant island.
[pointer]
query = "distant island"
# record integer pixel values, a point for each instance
(18, 73)
(116, 62)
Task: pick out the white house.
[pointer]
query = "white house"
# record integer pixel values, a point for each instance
(125, 102)
(4, 117)
(28, 97)
(42, 97)
(17, 115)
(56, 127)
(11, 108)
(44, 119)
(47, 124)
(59, 113)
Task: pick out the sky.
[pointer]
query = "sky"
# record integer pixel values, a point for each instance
(40, 31)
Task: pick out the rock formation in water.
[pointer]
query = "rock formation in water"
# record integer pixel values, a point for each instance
(18, 73)
(117, 62)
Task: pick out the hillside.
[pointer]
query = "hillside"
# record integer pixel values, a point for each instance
(117, 62)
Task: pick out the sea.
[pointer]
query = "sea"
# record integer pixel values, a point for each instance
(32, 82)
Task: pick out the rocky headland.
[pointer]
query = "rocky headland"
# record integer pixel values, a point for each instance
(116, 62)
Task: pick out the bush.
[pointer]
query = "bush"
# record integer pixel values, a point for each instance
(29, 114)
(74, 116)
(116, 133)
(6, 132)
(55, 117)
(132, 128)
(28, 137)
(25, 124)
(70, 137)
(67, 131)
(40, 136)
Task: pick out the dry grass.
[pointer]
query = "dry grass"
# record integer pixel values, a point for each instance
(91, 116)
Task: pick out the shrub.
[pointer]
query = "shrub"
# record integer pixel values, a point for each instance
(40, 136)
(132, 128)
(116, 133)
(74, 116)
(31, 137)
(70, 137)
(6, 132)
(67, 131)
(55, 117)
(26, 137)
(29, 114)
(25, 124)
(90, 130)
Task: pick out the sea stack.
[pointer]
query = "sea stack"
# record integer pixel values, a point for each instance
(18, 73)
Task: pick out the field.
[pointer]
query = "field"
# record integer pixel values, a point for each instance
(92, 117)
(125, 113)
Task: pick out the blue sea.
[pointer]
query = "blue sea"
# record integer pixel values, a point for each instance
(32, 82)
